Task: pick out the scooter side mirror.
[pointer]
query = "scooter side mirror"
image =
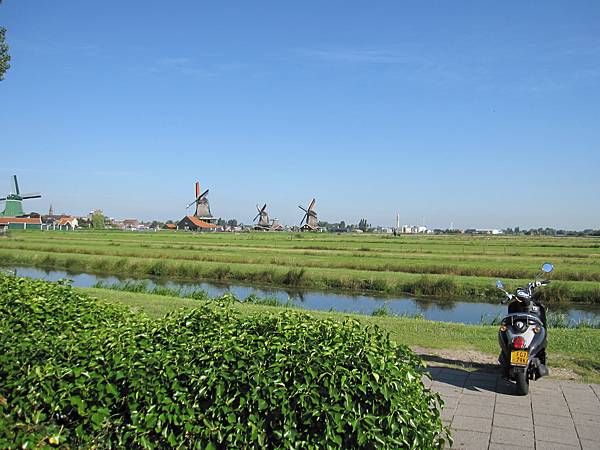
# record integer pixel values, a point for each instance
(547, 267)
(500, 284)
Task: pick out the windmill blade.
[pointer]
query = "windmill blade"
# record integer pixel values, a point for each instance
(32, 195)
(2, 199)
(204, 194)
(311, 213)
(312, 204)
(256, 217)
(302, 208)
(305, 217)
(263, 208)
(194, 202)
(16, 184)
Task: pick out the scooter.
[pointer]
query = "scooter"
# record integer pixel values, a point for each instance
(522, 334)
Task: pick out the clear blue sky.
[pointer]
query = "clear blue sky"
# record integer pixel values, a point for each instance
(485, 114)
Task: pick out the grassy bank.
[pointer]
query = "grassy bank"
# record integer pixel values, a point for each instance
(439, 266)
(574, 349)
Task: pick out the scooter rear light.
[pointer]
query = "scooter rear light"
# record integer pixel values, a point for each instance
(537, 329)
(518, 342)
(503, 328)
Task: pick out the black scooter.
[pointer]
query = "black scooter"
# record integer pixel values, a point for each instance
(522, 335)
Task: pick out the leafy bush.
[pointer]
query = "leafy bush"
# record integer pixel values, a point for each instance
(78, 372)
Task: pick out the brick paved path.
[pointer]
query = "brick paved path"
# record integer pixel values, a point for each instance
(484, 413)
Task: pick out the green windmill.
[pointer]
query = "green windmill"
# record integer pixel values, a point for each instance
(13, 206)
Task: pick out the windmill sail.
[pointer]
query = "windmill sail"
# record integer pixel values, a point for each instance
(201, 202)
(309, 220)
(263, 221)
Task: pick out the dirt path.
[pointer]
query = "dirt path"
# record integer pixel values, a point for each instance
(472, 359)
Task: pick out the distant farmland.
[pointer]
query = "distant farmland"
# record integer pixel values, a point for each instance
(441, 266)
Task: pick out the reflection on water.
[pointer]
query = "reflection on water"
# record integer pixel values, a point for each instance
(432, 309)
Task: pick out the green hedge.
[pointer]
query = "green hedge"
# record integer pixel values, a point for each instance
(78, 372)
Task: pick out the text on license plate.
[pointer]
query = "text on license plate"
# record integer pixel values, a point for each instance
(519, 357)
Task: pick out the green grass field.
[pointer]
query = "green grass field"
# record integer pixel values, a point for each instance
(575, 349)
(442, 266)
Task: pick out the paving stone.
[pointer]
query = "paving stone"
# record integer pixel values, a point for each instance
(450, 376)
(483, 411)
(586, 419)
(551, 410)
(543, 445)
(514, 400)
(477, 400)
(596, 389)
(589, 445)
(496, 446)
(548, 420)
(451, 402)
(468, 440)
(438, 385)
(508, 435)
(514, 422)
(549, 402)
(447, 414)
(551, 397)
(557, 435)
(447, 393)
(483, 391)
(545, 385)
(587, 399)
(588, 432)
(483, 376)
(585, 408)
(574, 385)
(579, 393)
(472, 424)
(507, 408)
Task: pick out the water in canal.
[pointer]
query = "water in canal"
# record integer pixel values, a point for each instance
(471, 312)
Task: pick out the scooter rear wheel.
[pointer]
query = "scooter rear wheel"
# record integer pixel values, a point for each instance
(522, 382)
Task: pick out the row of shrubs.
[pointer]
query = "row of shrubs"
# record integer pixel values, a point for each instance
(75, 372)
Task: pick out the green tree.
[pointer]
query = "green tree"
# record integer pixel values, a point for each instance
(363, 225)
(98, 222)
(4, 56)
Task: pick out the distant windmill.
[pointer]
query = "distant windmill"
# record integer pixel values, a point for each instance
(309, 221)
(201, 202)
(13, 206)
(263, 222)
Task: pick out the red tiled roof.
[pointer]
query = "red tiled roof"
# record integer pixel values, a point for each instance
(170, 226)
(65, 220)
(200, 223)
(34, 220)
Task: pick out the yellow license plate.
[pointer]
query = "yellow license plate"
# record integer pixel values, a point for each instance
(519, 358)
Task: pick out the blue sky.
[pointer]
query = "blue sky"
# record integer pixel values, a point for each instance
(484, 114)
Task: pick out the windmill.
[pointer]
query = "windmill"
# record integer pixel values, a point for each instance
(263, 222)
(202, 206)
(310, 217)
(13, 206)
